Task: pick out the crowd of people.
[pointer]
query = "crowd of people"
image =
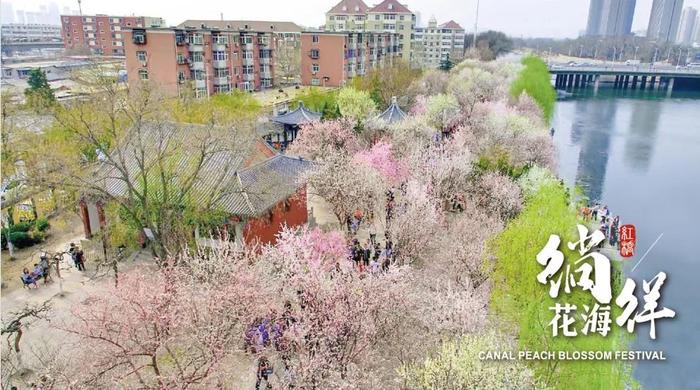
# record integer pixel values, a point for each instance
(42, 269)
(609, 224)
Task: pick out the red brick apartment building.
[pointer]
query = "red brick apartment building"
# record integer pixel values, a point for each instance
(332, 58)
(210, 57)
(102, 34)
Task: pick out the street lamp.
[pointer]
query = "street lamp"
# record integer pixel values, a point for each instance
(635, 52)
(580, 52)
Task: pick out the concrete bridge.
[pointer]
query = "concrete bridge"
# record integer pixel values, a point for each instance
(641, 77)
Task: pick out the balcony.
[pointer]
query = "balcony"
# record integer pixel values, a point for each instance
(196, 47)
(266, 74)
(265, 61)
(220, 64)
(248, 61)
(197, 65)
(221, 80)
(249, 77)
(200, 83)
(247, 46)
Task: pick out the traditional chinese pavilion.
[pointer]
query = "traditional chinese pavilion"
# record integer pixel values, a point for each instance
(393, 114)
(281, 137)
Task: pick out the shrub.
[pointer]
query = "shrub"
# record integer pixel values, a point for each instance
(41, 224)
(21, 239)
(21, 227)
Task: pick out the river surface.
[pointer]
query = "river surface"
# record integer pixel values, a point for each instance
(639, 153)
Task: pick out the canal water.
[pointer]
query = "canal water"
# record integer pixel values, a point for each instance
(639, 153)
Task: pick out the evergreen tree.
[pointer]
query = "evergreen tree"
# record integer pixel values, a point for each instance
(445, 63)
(39, 93)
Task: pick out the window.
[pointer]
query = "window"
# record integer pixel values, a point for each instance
(248, 54)
(197, 56)
(389, 17)
(389, 27)
(181, 77)
(246, 39)
(143, 74)
(400, 26)
(197, 75)
(141, 56)
(376, 17)
(315, 68)
(196, 39)
(180, 58)
(315, 81)
(220, 72)
(401, 17)
(331, 18)
(314, 53)
(220, 39)
(248, 69)
(314, 38)
(220, 55)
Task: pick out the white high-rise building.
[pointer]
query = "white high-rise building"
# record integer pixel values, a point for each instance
(664, 20)
(687, 26)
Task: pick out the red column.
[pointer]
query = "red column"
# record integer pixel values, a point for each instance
(85, 216)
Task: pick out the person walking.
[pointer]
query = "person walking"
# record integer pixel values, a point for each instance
(79, 259)
(264, 372)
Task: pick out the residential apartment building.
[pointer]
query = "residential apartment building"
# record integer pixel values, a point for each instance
(610, 18)
(332, 58)
(664, 20)
(15, 32)
(102, 34)
(433, 43)
(287, 43)
(348, 15)
(687, 26)
(389, 16)
(205, 59)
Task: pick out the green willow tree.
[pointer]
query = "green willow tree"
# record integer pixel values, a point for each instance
(535, 81)
(522, 303)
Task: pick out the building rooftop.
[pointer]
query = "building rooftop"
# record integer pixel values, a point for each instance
(252, 25)
(451, 25)
(349, 7)
(241, 179)
(298, 117)
(390, 6)
(393, 113)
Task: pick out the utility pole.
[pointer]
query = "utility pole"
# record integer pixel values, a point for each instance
(680, 51)
(80, 8)
(476, 24)
(635, 52)
(580, 52)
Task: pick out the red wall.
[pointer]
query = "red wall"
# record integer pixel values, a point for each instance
(264, 230)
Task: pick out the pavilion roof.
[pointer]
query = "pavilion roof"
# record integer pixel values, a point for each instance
(299, 116)
(393, 113)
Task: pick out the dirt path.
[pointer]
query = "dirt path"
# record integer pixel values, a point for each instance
(64, 229)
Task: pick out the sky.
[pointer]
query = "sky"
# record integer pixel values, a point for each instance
(517, 18)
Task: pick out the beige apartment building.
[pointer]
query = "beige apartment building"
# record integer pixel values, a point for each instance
(331, 58)
(389, 16)
(433, 43)
(206, 57)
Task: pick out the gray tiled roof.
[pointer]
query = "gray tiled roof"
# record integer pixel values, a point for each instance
(393, 113)
(223, 181)
(297, 117)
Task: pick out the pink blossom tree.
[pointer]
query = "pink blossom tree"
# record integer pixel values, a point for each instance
(316, 139)
(497, 195)
(347, 186)
(416, 219)
(380, 158)
(161, 329)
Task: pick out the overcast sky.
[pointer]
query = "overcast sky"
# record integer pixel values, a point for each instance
(527, 18)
